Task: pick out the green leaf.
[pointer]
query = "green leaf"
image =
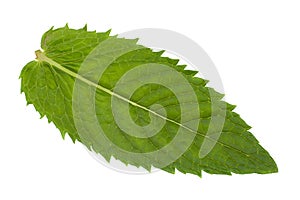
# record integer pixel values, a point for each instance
(124, 100)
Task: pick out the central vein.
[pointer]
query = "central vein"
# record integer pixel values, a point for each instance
(40, 56)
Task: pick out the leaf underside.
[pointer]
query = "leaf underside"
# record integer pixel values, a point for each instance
(50, 90)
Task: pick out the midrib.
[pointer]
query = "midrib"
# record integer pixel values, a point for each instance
(40, 56)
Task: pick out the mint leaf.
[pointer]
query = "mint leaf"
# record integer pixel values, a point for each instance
(123, 100)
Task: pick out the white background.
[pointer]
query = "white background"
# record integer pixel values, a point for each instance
(255, 46)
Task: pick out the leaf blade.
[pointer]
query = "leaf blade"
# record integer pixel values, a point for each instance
(63, 62)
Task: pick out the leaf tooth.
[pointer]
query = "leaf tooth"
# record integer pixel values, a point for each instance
(114, 36)
(205, 81)
(135, 40)
(147, 168)
(193, 72)
(72, 138)
(106, 156)
(84, 28)
(108, 31)
(175, 61)
(230, 106)
(89, 147)
(190, 72)
(159, 53)
(170, 169)
(66, 26)
(63, 134)
(181, 67)
(43, 115)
